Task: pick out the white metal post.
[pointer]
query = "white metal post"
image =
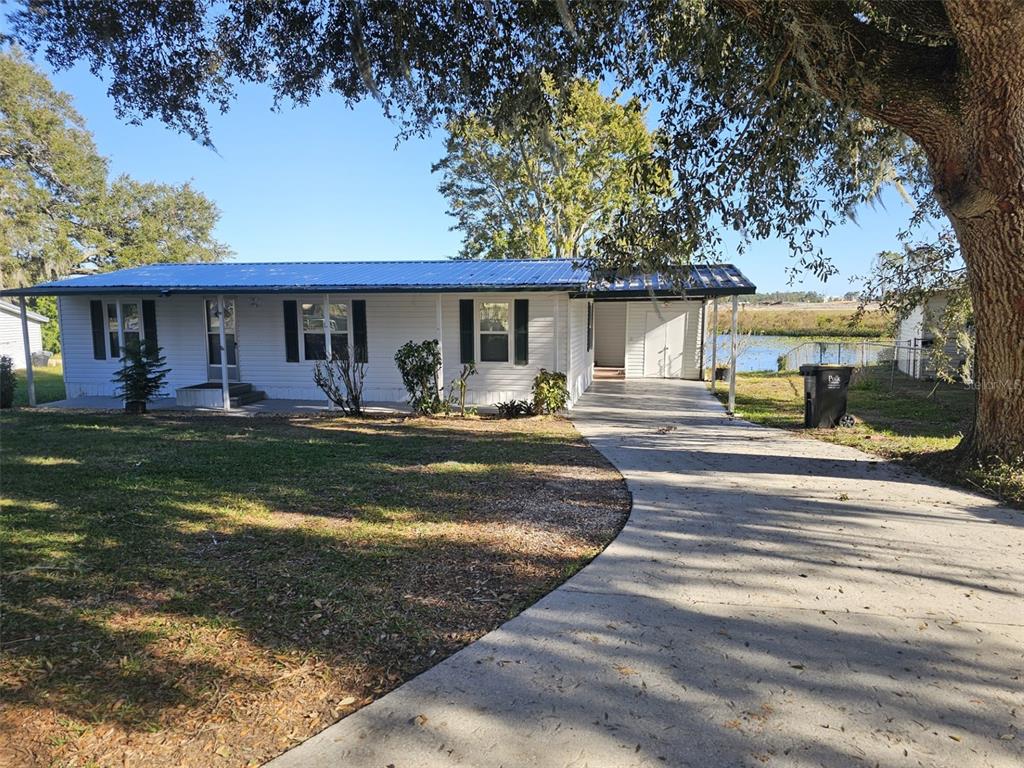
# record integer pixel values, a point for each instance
(328, 349)
(439, 377)
(714, 343)
(30, 382)
(225, 387)
(120, 329)
(328, 341)
(732, 354)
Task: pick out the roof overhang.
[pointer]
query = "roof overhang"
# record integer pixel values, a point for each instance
(148, 290)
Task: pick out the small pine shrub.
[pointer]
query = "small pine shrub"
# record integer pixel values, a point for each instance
(141, 376)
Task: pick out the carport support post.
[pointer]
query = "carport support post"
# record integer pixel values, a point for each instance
(224, 385)
(732, 354)
(439, 377)
(714, 342)
(30, 382)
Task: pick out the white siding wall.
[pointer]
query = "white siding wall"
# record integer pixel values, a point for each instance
(391, 320)
(496, 382)
(610, 333)
(581, 360)
(11, 343)
(181, 329)
(636, 330)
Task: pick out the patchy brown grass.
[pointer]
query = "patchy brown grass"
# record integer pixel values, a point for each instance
(204, 590)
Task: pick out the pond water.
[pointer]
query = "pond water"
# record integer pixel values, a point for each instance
(761, 353)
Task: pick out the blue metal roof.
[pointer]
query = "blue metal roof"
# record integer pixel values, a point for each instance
(386, 276)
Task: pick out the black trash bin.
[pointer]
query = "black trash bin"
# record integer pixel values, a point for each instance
(825, 393)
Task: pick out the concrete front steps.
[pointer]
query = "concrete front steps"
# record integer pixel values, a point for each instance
(209, 395)
(244, 394)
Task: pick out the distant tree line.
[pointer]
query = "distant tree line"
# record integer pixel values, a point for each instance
(774, 297)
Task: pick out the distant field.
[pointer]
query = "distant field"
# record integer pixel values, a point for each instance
(826, 319)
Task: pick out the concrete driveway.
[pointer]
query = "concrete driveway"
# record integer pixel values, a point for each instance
(772, 601)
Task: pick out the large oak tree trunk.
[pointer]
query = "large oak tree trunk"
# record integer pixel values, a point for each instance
(993, 248)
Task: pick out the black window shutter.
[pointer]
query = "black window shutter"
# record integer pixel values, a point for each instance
(590, 326)
(99, 333)
(291, 331)
(522, 326)
(359, 331)
(149, 322)
(466, 331)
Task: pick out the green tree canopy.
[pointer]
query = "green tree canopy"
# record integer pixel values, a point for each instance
(558, 182)
(52, 179)
(59, 214)
(782, 116)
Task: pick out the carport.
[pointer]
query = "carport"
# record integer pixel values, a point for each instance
(653, 326)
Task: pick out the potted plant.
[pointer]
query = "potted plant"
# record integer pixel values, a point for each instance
(142, 375)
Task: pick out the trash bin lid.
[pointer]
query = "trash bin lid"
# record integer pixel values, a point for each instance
(810, 369)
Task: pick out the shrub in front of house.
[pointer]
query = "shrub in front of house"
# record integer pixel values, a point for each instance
(514, 409)
(8, 382)
(142, 375)
(550, 392)
(420, 366)
(341, 380)
(457, 389)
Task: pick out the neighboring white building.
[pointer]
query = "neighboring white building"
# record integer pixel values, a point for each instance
(915, 340)
(511, 318)
(11, 341)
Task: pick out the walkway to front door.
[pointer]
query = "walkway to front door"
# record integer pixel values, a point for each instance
(773, 600)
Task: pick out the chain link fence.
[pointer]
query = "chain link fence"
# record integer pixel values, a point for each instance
(882, 366)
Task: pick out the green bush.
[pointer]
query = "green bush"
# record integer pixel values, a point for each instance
(550, 392)
(514, 409)
(8, 382)
(420, 365)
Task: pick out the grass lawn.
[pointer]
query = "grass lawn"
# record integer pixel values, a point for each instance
(49, 383)
(188, 590)
(913, 424)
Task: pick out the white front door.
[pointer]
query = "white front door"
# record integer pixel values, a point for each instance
(213, 339)
(663, 345)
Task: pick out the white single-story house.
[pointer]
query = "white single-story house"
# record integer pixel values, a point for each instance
(916, 336)
(12, 342)
(243, 331)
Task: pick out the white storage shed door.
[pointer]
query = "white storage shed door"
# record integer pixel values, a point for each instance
(663, 346)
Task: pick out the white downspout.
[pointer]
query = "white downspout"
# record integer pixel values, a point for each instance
(224, 385)
(732, 355)
(30, 381)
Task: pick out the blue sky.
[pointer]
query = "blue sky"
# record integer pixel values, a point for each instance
(324, 182)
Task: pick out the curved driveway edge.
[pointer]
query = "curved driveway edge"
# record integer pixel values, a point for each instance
(772, 601)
